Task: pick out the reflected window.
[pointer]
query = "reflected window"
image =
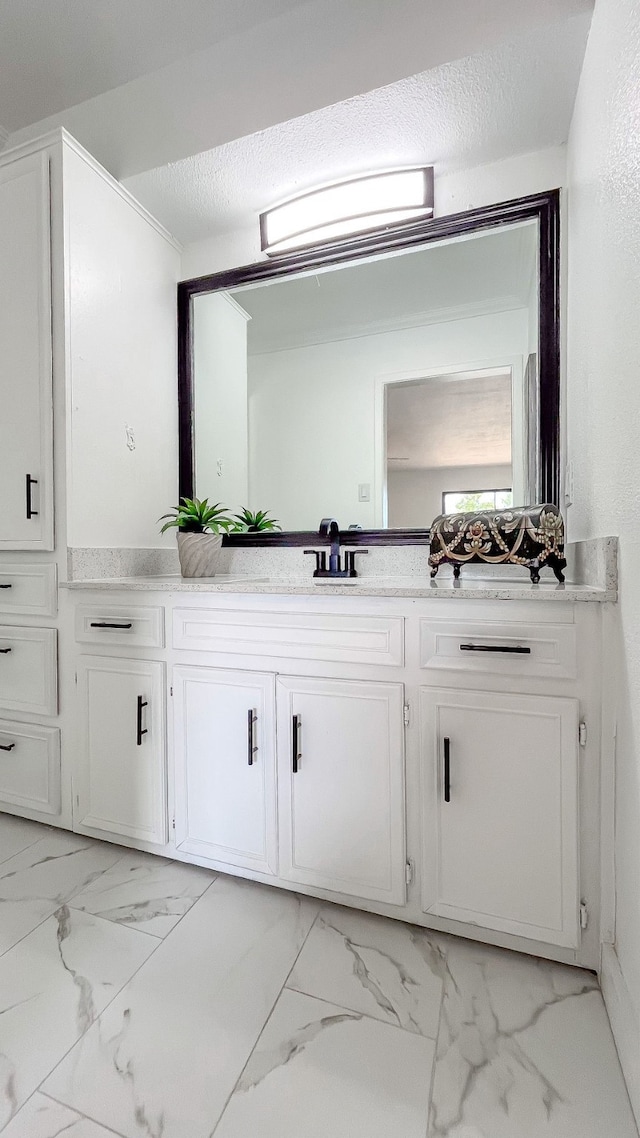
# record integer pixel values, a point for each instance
(472, 501)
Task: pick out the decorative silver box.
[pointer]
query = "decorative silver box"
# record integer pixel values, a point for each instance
(532, 536)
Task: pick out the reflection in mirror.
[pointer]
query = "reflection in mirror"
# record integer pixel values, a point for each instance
(376, 392)
(449, 446)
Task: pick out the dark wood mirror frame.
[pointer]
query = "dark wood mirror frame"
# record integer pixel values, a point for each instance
(543, 208)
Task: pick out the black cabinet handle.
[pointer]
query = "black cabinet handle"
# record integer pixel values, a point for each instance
(519, 649)
(252, 719)
(447, 770)
(31, 513)
(295, 755)
(142, 702)
(109, 624)
(3, 651)
(9, 586)
(7, 746)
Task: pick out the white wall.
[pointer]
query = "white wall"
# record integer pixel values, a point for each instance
(122, 366)
(415, 496)
(220, 331)
(313, 433)
(604, 414)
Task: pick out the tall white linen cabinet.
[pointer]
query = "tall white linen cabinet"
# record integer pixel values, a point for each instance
(88, 424)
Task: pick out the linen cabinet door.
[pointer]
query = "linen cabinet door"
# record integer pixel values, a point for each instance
(341, 786)
(26, 458)
(500, 812)
(121, 766)
(224, 733)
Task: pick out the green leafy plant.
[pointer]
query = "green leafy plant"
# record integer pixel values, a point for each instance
(195, 516)
(248, 521)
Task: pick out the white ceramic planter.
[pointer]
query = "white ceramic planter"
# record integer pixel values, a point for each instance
(199, 553)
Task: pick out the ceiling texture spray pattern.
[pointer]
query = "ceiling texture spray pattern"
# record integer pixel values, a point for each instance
(211, 110)
(515, 99)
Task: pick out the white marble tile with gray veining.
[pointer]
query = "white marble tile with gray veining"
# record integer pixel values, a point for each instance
(36, 881)
(164, 1057)
(370, 964)
(17, 834)
(41, 1117)
(146, 892)
(52, 986)
(524, 1051)
(320, 1069)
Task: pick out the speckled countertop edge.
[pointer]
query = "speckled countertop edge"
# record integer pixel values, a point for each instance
(364, 587)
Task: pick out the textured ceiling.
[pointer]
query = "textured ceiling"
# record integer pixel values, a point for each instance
(447, 421)
(57, 53)
(513, 99)
(490, 273)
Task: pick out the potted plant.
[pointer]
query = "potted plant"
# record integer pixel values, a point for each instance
(248, 521)
(201, 528)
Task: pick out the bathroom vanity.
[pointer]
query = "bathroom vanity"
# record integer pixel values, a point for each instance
(427, 752)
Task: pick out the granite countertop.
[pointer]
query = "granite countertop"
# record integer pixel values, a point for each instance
(474, 588)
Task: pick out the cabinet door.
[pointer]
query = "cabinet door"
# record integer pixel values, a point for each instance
(121, 764)
(341, 786)
(500, 812)
(26, 462)
(224, 731)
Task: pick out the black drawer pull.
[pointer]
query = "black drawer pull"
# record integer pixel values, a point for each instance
(518, 649)
(295, 749)
(447, 770)
(9, 586)
(252, 719)
(7, 746)
(109, 624)
(140, 731)
(31, 513)
(3, 651)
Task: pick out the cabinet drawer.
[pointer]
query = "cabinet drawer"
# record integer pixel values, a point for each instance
(29, 590)
(507, 648)
(300, 636)
(30, 766)
(120, 625)
(28, 669)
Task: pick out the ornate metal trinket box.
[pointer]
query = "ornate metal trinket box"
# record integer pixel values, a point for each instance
(532, 536)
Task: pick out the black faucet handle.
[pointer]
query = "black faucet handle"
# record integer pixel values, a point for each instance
(321, 559)
(349, 560)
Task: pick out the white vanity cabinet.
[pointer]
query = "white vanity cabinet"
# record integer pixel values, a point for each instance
(339, 798)
(121, 779)
(500, 811)
(224, 754)
(26, 418)
(341, 786)
(307, 739)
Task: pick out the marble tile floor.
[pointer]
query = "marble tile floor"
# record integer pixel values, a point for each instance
(142, 998)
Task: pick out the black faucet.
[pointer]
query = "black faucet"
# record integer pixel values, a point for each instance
(329, 528)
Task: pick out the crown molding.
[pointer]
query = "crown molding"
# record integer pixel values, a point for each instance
(445, 315)
(61, 137)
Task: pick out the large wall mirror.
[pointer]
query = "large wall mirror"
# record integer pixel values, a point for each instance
(382, 383)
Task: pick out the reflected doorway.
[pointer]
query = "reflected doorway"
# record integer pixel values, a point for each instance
(450, 445)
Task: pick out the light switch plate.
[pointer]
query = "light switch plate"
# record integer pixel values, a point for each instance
(364, 492)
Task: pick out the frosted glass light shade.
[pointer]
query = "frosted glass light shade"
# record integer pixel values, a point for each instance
(346, 209)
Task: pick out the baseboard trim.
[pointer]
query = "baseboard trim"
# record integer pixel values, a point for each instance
(624, 1023)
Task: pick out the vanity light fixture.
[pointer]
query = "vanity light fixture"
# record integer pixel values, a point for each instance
(342, 210)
